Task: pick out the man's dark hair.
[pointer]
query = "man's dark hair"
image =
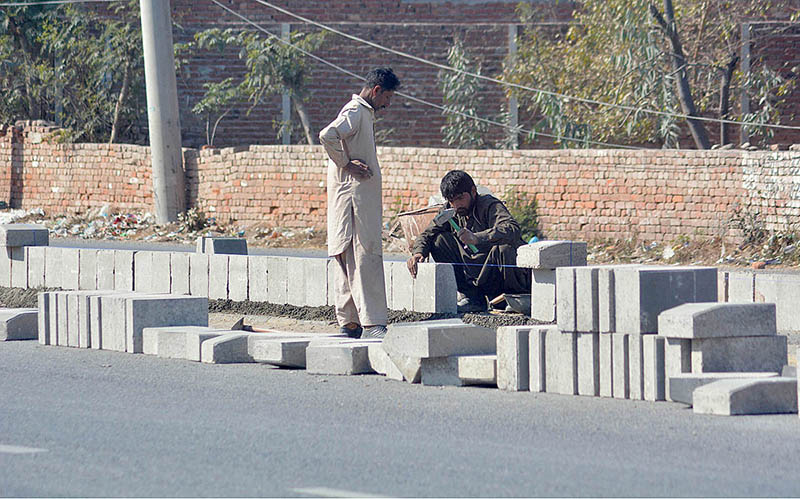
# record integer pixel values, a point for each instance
(382, 77)
(456, 182)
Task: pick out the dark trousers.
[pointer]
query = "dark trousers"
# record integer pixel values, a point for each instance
(486, 273)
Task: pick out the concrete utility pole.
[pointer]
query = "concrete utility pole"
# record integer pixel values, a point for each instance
(169, 195)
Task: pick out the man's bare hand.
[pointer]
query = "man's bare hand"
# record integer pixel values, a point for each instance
(412, 263)
(467, 236)
(359, 169)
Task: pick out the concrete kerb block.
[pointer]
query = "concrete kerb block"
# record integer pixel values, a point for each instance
(90, 316)
(742, 354)
(296, 281)
(315, 274)
(722, 285)
(105, 269)
(435, 288)
(70, 263)
(741, 287)
(636, 366)
(381, 363)
(587, 311)
(680, 387)
(19, 324)
(653, 368)
(286, 349)
(409, 365)
(543, 295)
(606, 296)
(110, 310)
(718, 320)
(54, 267)
(402, 287)
(66, 338)
(87, 279)
(218, 277)
(277, 268)
(17, 235)
(123, 270)
(164, 310)
(5, 266)
(143, 271)
(551, 254)
(36, 257)
(513, 362)
(332, 264)
(677, 356)
(642, 293)
(588, 345)
(161, 272)
(19, 267)
(178, 342)
(561, 363)
(606, 364)
(179, 273)
(387, 282)
(230, 348)
(621, 383)
(462, 370)
(784, 292)
(730, 397)
(440, 340)
(566, 313)
(222, 245)
(339, 358)
(537, 358)
(198, 274)
(258, 278)
(43, 317)
(238, 285)
(53, 317)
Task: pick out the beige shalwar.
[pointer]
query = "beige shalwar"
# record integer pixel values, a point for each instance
(355, 216)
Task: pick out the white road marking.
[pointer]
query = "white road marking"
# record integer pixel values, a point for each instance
(328, 492)
(17, 449)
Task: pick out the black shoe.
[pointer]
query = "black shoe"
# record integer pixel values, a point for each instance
(351, 333)
(471, 305)
(374, 332)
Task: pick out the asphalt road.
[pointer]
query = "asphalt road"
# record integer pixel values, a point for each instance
(97, 423)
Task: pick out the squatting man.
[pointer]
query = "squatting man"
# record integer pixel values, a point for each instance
(483, 252)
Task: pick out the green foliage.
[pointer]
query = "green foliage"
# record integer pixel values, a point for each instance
(615, 53)
(461, 94)
(524, 208)
(219, 100)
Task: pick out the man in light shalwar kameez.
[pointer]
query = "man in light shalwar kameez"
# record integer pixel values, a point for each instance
(355, 208)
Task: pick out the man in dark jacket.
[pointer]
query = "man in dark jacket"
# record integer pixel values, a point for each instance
(487, 225)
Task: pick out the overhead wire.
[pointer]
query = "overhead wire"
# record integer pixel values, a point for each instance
(517, 85)
(54, 2)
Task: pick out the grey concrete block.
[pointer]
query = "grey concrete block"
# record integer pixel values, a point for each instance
(278, 268)
(161, 272)
(222, 245)
(19, 267)
(105, 269)
(178, 342)
(381, 363)
(644, 292)
(543, 295)
(23, 235)
(789, 371)
(722, 285)
(70, 262)
(537, 359)
(561, 363)
(19, 324)
(43, 317)
(731, 397)
(407, 364)
(226, 349)
(143, 271)
(296, 281)
(258, 278)
(552, 254)
(53, 317)
(741, 287)
(680, 387)
(332, 264)
(198, 274)
(636, 364)
(587, 310)
(402, 287)
(606, 364)
(95, 322)
(123, 270)
(218, 277)
(5, 266)
(54, 267)
(287, 350)
(588, 364)
(784, 292)
(440, 340)
(340, 358)
(66, 337)
(36, 258)
(566, 312)
(238, 285)
(461, 370)
(718, 320)
(677, 356)
(87, 279)
(653, 367)
(77, 337)
(744, 353)
(621, 384)
(316, 278)
(606, 298)
(387, 282)
(179, 273)
(165, 310)
(435, 288)
(111, 311)
(513, 362)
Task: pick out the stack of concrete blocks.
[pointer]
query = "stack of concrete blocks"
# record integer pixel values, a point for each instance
(19, 324)
(733, 351)
(544, 257)
(765, 286)
(434, 289)
(435, 352)
(16, 239)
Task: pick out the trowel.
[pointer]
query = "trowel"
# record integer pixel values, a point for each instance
(447, 216)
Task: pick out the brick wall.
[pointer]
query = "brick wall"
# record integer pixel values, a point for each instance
(582, 194)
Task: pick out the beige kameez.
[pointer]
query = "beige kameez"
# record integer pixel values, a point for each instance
(355, 216)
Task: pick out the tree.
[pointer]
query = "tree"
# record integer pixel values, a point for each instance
(680, 59)
(462, 99)
(273, 67)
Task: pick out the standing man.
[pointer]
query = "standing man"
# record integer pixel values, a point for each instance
(355, 208)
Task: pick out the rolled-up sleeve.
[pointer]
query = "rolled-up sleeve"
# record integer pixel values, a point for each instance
(341, 129)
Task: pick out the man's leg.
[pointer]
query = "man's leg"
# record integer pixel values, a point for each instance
(500, 273)
(446, 249)
(368, 286)
(346, 312)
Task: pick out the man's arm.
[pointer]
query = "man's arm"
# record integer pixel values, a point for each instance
(503, 229)
(334, 138)
(423, 244)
